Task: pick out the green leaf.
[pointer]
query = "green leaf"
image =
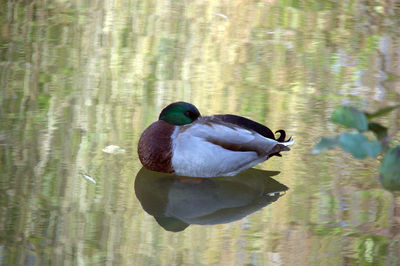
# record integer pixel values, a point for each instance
(350, 117)
(390, 169)
(359, 146)
(325, 144)
(382, 111)
(379, 130)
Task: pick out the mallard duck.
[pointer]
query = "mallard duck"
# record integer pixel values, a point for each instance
(187, 144)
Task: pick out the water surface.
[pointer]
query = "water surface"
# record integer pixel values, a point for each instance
(77, 77)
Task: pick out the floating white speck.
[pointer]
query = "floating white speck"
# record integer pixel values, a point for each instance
(113, 149)
(89, 178)
(221, 15)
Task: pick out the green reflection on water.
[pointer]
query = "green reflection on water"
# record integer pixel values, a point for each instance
(78, 77)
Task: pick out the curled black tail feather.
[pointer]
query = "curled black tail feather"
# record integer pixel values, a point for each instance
(282, 135)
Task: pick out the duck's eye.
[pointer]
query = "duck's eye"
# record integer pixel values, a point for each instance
(190, 114)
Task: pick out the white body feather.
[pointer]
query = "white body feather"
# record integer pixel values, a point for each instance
(195, 152)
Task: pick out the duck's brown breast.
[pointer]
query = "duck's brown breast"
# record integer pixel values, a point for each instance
(155, 147)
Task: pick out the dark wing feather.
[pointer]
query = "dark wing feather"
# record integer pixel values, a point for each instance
(249, 124)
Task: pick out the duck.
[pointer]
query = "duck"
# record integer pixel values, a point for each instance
(184, 143)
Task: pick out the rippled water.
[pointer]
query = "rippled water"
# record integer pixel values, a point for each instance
(80, 81)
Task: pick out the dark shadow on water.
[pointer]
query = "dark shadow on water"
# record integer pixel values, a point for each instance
(177, 202)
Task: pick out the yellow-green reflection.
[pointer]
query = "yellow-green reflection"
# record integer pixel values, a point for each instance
(176, 202)
(78, 76)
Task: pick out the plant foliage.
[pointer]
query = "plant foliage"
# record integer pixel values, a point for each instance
(360, 146)
(350, 117)
(390, 169)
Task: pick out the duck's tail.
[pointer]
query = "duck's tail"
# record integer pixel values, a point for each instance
(288, 142)
(282, 137)
(283, 144)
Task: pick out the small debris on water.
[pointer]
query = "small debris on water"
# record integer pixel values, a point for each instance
(89, 178)
(221, 15)
(113, 149)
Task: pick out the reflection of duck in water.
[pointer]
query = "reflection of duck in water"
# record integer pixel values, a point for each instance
(185, 143)
(176, 202)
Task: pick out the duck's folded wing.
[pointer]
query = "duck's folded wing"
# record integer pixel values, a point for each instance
(235, 138)
(252, 125)
(257, 127)
(208, 148)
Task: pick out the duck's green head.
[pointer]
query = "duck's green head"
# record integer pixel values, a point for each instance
(179, 113)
